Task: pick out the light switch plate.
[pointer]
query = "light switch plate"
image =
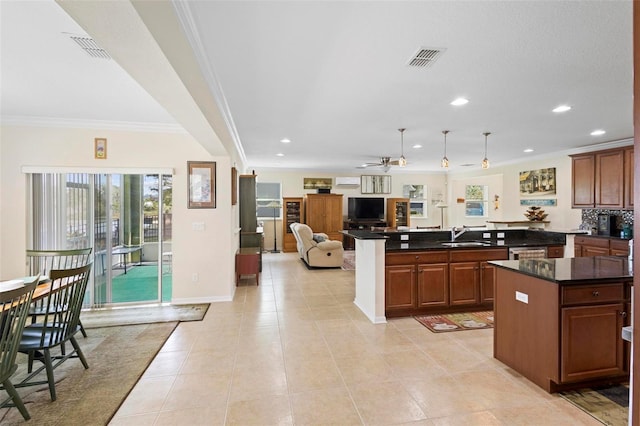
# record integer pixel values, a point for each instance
(404, 237)
(500, 234)
(522, 297)
(486, 235)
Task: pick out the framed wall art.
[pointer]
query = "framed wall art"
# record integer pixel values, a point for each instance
(375, 184)
(538, 182)
(202, 184)
(100, 148)
(234, 186)
(317, 183)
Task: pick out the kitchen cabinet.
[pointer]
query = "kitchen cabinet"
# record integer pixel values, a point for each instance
(583, 181)
(323, 213)
(293, 212)
(585, 246)
(555, 252)
(628, 178)
(603, 179)
(470, 277)
(414, 279)
(550, 338)
(440, 281)
(398, 212)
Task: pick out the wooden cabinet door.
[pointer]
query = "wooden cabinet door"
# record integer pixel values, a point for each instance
(582, 181)
(487, 279)
(577, 250)
(433, 285)
(591, 345)
(628, 178)
(333, 216)
(315, 214)
(464, 283)
(400, 288)
(610, 179)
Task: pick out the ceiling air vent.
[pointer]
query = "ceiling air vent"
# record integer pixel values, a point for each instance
(425, 56)
(90, 47)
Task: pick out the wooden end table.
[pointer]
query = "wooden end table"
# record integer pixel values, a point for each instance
(248, 263)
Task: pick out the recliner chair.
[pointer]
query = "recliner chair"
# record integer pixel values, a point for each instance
(317, 250)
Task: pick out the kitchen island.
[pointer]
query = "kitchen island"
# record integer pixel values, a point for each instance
(558, 321)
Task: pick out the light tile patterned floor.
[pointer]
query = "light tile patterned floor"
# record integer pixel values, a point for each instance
(295, 350)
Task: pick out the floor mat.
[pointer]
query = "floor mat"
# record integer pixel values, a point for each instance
(609, 404)
(457, 322)
(143, 315)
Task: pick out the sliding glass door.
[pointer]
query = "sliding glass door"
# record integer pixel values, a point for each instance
(126, 218)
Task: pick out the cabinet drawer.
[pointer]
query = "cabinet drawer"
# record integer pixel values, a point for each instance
(478, 255)
(621, 246)
(416, 257)
(555, 251)
(594, 242)
(592, 294)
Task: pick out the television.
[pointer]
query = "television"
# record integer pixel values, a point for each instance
(361, 208)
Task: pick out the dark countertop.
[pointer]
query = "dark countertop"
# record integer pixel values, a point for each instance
(363, 235)
(577, 270)
(407, 240)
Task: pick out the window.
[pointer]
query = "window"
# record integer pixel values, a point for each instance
(415, 194)
(266, 194)
(476, 201)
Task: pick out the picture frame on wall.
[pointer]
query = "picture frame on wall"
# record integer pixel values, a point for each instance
(100, 148)
(234, 186)
(202, 184)
(375, 184)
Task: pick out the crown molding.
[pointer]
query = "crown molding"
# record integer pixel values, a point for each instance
(28, 121)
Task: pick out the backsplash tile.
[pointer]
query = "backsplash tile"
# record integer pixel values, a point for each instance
(623, 217)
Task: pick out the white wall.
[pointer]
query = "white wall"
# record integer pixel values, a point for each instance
(208, 253)
(561, 217)
(502, 181)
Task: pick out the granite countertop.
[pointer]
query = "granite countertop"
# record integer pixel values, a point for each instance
(597, 269)
(363, 235)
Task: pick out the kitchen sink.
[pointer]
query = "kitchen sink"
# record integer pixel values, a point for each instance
(465, 244)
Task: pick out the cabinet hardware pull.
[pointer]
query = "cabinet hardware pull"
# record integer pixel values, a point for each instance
(596, 293)
(623, 314)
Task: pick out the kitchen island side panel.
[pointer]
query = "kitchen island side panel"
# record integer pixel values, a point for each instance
(526, 332)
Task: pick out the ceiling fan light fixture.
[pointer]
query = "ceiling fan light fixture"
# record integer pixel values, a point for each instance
(402, 161)
(485, 160)
(444, 163)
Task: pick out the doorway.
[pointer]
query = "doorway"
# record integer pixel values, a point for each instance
(126, 218)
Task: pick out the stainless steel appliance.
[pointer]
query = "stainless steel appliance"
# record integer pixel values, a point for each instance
(516, 253)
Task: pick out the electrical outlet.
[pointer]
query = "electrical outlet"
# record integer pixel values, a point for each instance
(194, 277)
(486, 235)
(500, 234)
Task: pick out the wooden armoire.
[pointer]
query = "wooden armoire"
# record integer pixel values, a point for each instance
(324, 214)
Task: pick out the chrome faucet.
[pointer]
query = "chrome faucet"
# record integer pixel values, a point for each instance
(455, 234)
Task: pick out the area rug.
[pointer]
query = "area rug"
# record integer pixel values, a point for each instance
(117, 357)
(608, 404)
(457, 322)
(143, 315)
(349, 261)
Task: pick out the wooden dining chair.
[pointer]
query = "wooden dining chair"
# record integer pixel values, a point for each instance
(14, 310)
(44, 261)
(60, 323)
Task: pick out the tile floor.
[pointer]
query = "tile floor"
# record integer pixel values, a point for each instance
(295, 350)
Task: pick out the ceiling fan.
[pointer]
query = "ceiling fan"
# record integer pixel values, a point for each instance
(387, 162)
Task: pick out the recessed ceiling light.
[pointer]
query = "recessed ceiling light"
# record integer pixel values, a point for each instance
(460, 101)
(528, 150)
(561, 108)
(416, 146)
(280, 154)
(598, 132)
(285, 140)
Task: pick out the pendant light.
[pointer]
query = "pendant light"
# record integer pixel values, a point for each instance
(402, 161)
(444, 163)
(485, 160)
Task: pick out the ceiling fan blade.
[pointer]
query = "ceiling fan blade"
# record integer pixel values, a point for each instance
(394, 162)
